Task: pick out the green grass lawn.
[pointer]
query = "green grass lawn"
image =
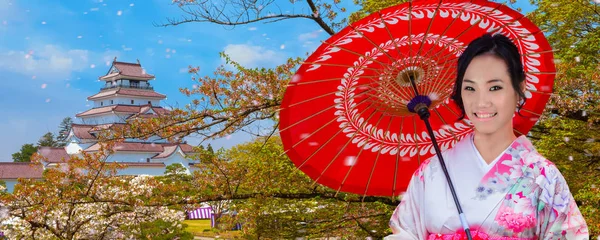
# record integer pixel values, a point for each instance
(197, 227)
(202, 228)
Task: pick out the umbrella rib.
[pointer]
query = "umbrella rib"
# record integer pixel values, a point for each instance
(518, 131)
(374, 44)
(337, 65)
(358, 156)
(318, 113)
(452, 53)
(330, 80)
(443, 34)
(344, 147)
(541, 52)
(529, 111)
(414, 60)
(452, 111)
(328, 94)
(327, 142)
(400, 54)
(397, 158)
(540, 92)
(539, 73)
(415, 138)
(355, 53)
(445, 123)
(375, 165)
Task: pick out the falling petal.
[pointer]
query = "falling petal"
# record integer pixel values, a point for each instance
(47, 99)
(27, 56)
(4, 22)
(570, 158)
(282, 46)
(85, 12)
(173, 51)
(304, 135)
(93, 66)
(296, 78)
(33, 77)
(189, 40)
(584, 113)
(264, 35)
(168, 56)
(43, 23)
(195, 86)
(228, 137)
(434, 96)
(160, 41)
(131, 5)
(350, 161)
(107, 63)
(79, 36)
(168, 50)
(567, 139)
(268, 38)
(577, 59)
(44, 86)
(313, 144)
(68, 85)
(94, 9)
(119, 13)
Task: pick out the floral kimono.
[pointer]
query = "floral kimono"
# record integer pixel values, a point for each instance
(520, 195)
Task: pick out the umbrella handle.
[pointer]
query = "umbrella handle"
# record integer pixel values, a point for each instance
(424, 114)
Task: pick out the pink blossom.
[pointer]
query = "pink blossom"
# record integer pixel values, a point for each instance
(517, 222)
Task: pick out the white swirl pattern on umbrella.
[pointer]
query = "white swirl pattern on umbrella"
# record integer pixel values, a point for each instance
(370, 137)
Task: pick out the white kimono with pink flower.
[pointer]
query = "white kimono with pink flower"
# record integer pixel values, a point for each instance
(520, 195)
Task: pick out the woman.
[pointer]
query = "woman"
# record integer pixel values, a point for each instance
(507, 190)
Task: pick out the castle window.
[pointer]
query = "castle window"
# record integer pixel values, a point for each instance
(101, 103)
(149, 102)
(111, 102)
(131, 101)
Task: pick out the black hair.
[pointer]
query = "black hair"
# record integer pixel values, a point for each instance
(500, 46)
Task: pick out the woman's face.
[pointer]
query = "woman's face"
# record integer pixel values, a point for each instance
(489, 99)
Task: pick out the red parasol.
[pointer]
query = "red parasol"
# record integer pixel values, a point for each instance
(346, 117)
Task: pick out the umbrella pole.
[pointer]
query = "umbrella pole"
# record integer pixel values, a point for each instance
(420, 104)
(423, 111)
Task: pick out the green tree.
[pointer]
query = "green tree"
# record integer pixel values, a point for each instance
(48, 140)
(230, 101)
(569, 131)
(24, 155)
(273, 199)
(63, 131)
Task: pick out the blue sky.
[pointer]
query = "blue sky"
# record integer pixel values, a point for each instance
(52, 53)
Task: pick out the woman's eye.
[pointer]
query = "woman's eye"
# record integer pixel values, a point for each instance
(469, 88)
(495, 88)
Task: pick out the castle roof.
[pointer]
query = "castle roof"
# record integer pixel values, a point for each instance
(121, 108)
(14, 170)
(113, 92)
(124, 70)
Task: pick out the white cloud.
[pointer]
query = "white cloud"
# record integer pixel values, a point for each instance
(307, 36)
(254, 56)
(50, 61)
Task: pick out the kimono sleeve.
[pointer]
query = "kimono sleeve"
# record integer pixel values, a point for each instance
(559, 217)
(407, 220)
